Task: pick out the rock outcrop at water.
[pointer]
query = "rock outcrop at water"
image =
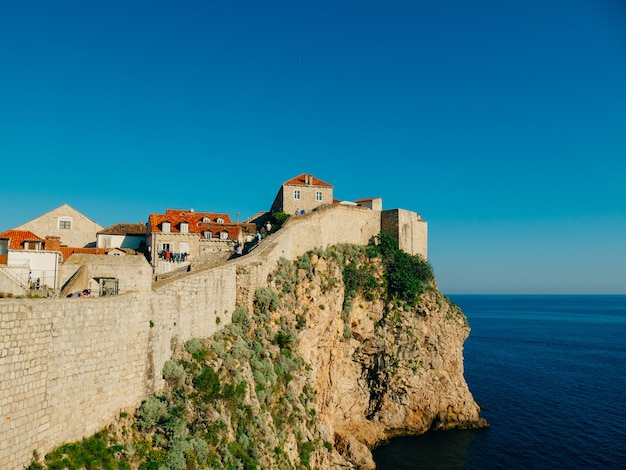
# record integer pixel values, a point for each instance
(393, 370)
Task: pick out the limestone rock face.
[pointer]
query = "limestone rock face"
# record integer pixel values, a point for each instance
(315, 374)
(380, 371)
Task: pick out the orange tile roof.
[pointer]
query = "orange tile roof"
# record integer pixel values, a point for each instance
(68, 251)
(18, 237)
(196, 225)
(193, 219)
(300, 180)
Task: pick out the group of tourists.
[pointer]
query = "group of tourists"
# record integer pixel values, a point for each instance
(33, 285)
(263, 231)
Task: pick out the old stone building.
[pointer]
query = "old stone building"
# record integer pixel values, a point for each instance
(302, 193)
(179, 237)
(28, 261)
(72, 227)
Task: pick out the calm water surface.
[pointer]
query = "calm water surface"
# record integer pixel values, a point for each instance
(550, 375)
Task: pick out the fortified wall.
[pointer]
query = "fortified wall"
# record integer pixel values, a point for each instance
(68, 367)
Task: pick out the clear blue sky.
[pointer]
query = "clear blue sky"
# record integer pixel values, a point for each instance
(503, 123)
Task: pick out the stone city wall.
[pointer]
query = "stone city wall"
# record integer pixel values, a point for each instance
(69, 366)
(409, 228)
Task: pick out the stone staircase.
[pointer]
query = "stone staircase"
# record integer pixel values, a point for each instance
(20, 281)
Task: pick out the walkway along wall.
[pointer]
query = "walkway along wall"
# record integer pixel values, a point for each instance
(69, 366)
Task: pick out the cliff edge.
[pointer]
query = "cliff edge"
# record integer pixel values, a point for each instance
(380, 370)
(340, 350)
(319, 371)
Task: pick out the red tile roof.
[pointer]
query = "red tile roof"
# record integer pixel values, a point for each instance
(18, 237)
(68, 251)
(300, 180)
(196, 224)
(193, 219)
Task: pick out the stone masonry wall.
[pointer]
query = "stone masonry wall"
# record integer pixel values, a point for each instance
(69, 366)
(411, 231)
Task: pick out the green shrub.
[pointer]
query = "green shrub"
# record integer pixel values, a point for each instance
(152, 411)
(406, 275)
(279, 218)
(95, 452)
(285, 276)
(283, 339)
(174, 373)
(265, 300)
(207, 384)
(241, 318)
(304, 451)
(197, 349)
(304, 262)
(358, 280)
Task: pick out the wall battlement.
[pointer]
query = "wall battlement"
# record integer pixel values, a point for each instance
(69, 366)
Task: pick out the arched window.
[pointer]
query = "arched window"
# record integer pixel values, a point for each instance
(220, 220)
(208, 235)
(206, 219)
(224, 235)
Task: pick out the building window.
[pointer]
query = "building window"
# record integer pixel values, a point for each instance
(108, 286)
(224, 235)
(296, 194)
(165, 227)
(206, 220)
(318, 195)
(184, 227)
(65, 224)
(220, 220)
(208, 235)
(183, 247)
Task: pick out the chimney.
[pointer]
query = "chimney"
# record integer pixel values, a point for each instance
(53, 243)
(308, 179)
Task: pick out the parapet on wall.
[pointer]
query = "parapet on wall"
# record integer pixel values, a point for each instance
(69, 366)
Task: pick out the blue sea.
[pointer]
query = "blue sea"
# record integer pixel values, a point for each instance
(549, 373)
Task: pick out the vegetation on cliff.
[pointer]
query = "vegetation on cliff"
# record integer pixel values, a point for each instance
(244, 398)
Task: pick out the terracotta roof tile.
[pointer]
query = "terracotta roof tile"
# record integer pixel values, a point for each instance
(195, 221)
(300, 180)
(68, 251)
(18, 237)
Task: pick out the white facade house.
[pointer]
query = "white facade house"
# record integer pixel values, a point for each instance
(122, 235)
(40, 265)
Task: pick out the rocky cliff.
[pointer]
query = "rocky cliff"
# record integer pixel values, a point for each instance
(323, 366)
(393, 369)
